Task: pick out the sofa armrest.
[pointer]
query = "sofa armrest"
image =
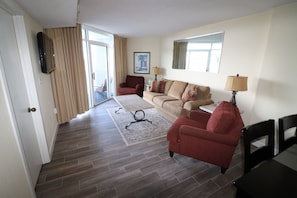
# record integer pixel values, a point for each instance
(123, 84)
(194, 104)
(206, 135)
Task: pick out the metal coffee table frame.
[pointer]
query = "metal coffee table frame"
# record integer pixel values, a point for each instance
(135, 105)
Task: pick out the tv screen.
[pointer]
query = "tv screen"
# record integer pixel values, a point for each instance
(46, 53)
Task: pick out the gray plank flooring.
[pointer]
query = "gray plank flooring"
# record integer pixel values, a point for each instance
(90, 159)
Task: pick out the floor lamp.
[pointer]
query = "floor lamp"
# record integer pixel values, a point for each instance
(235, 84)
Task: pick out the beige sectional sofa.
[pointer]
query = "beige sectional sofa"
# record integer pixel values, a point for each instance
(173, 98)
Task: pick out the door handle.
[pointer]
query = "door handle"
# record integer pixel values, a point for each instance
(33, 109)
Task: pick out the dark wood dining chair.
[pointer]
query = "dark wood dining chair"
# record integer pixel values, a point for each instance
(253, 156)
(286, 123)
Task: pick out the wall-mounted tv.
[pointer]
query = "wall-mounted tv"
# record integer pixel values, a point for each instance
(46, 53)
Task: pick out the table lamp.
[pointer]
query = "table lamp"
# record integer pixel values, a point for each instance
(235, 84)
(156, 71)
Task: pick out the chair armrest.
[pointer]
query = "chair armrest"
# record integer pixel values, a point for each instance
(200, 116)
(194, 104)
(123, 84)
(206, 135)
(139, 87)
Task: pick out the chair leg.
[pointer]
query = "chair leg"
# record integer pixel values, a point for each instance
(171, 153)
(223, 170)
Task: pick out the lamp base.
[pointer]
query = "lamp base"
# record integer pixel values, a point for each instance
(233, 100)
(155, 76)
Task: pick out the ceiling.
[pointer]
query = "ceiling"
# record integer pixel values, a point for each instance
(142, 18)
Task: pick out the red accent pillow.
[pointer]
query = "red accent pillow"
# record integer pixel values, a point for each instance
(158, 86)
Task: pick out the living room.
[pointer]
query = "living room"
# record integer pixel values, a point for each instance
(261, 46)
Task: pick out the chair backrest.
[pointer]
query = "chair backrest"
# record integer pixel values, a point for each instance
(225, 119)
(132, 81)
(285, 123)
(255, 132)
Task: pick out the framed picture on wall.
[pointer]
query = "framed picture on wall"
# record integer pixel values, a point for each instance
(141, 62)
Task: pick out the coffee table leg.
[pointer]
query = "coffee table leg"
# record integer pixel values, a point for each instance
(139, 116)
(118, 109)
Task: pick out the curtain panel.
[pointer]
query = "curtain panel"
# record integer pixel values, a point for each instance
(120, 56)
(179, 55)
(69, 79)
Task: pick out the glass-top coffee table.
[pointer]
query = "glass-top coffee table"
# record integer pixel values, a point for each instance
(135, 105)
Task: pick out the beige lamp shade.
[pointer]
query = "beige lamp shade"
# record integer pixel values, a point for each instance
(236, 83)
(156, 70)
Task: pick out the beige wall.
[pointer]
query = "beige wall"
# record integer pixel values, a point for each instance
(276, 91)
(260, 46)
(43, 84)
(151, 45)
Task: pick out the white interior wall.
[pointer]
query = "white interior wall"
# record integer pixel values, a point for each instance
(243, 50)
(276, 92)
(259, 46)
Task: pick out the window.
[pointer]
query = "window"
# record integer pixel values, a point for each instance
(201, 53)
(204, 57)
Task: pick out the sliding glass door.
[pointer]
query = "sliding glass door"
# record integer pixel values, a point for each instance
(98, 55)
(99, 72)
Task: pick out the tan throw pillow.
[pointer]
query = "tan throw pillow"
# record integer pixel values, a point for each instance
(191, 94)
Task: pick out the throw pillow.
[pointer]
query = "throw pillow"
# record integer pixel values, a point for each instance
(158, 86)
(189, 95)
(154, 86)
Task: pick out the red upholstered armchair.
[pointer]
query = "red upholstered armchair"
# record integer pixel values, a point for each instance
(133, 85)
(207, 137)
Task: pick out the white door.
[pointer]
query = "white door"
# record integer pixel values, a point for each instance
(18, 94)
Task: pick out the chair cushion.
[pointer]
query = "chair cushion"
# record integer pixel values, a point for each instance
(222, 118)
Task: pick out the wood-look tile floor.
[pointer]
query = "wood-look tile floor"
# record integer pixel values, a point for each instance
(90, 159)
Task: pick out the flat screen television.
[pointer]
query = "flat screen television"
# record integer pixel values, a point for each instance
(46, 53)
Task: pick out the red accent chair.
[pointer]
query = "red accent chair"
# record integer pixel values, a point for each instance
(133, 85)
(207, 137)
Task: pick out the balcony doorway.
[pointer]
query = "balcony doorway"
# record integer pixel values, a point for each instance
(99, 63)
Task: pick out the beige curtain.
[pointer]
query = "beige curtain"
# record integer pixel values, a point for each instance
(120, 55)
(179, 55)
(69, 79)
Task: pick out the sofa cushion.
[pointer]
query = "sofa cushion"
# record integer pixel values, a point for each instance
(159, 100)
(173, 107)
(148, 95)
(167, 86)
(222, 118)
(177, 89)
(203, 92)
